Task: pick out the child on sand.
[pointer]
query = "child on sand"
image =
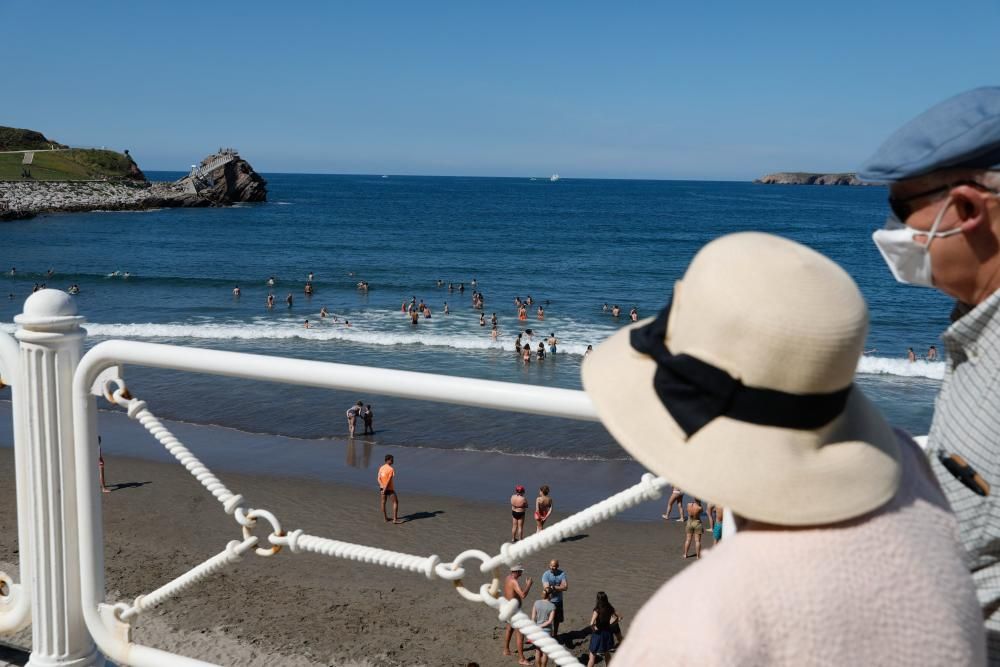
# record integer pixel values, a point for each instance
(543, 507)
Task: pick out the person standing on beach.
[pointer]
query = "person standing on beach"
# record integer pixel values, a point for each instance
(100, 466)
(693, 528)
(676, 497)
(387, 487)
(352, 417)
(543, 507)
(512, 591)
(830, 502)
(543, 614)
(369, 417)
(602, 639)
(555, 580)
(943, 173)
(518, 507)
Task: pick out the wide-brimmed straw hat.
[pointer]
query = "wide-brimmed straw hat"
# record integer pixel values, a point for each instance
(741, 391)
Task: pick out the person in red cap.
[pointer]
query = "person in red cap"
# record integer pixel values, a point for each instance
(518, 508)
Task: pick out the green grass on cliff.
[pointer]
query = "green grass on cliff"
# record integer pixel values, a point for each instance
(19, 139)
(75, 164)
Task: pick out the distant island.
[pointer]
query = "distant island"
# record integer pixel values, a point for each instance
(807, 178)
(39, 175)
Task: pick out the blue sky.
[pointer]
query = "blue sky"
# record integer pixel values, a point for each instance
(721, 90)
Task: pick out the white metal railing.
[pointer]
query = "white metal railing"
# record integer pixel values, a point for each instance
(56, 445)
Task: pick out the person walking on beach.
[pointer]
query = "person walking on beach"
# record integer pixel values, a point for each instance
(676, 497)
(555, 580)
(602, 639)
(543, 507)
(943, 173)
(369, 417)
(512, 591)
(830, 502)
(352, 417)
(693, 528)
(100, 466)
(387, 488)
(518, 507)
(543, 614)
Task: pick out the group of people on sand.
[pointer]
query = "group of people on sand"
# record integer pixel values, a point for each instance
(548, 613)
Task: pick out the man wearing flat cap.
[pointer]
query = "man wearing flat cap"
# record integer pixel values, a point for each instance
(943, 173)
(742, 392)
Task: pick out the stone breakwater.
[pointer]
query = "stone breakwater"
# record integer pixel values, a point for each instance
(26, 199)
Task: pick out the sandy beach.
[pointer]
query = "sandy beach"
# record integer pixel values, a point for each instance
(310, 610)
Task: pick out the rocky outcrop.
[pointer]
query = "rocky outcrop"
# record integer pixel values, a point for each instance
(806, 178)
(222, 178)
(225, 178)
(236, 181)
(26, 199)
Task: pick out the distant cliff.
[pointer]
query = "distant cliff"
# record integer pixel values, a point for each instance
(225, 178)
(806, 178)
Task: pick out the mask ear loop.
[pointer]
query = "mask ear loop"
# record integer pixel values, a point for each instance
(932, 233)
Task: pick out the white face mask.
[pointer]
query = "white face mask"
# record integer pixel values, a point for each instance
(910, 261)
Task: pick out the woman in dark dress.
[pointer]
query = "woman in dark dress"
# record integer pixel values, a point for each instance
(602, 639)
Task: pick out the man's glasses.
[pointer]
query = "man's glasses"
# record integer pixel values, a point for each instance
(903, 209)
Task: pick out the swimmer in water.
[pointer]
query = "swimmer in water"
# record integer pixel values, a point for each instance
(615, 310)
(494, 333)
(517, 344)
(310, 278)
(307, 325)
(482, 319)
(590, 348)
(323, 312)
(236, 291)
(633, 314)
(526, 354)
(446, 310)
(270, 300)
(289, 300)
(605, 308)
(541, 313)
(270, 281)
(522, 313)
(552, 341)
(541, 351)
(493, 320)
(414, 317)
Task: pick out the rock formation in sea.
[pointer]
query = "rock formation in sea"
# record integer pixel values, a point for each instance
(225, 178)
(806, 178)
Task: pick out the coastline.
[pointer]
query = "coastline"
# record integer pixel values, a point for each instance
(304, 609)
(27, 199)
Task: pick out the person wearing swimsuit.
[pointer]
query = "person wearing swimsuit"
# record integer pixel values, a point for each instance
(543, 507)
(526, 354)
(552, 341)
(518, 508)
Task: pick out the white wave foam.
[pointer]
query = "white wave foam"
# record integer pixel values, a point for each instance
(901, 367)
(372, 331)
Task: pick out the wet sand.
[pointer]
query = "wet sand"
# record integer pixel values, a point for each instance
(303, 609)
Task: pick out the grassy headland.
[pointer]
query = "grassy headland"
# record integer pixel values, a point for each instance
(56, 162)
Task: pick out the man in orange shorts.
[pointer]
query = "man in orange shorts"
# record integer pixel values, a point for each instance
(387, 487)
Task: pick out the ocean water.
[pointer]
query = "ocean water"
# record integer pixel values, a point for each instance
(573, 245)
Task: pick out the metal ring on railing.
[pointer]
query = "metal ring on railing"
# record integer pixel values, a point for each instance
(455, 565)
(249, 519)
(122, 391)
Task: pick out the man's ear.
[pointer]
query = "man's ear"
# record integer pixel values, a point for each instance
(970, 205)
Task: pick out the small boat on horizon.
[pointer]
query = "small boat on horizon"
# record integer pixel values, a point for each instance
(554, 177)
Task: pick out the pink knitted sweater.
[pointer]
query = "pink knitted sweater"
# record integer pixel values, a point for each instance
(889, 588)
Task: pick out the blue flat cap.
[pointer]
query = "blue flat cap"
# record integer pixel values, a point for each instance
(961, 132)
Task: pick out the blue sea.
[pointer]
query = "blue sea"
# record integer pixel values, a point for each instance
(572, 245)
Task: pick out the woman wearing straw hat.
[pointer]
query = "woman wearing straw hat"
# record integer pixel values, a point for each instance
(741, 392)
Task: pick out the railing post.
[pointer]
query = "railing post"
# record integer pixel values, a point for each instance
(51, 342)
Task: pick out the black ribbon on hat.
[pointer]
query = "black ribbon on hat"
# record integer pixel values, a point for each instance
(695, 392)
